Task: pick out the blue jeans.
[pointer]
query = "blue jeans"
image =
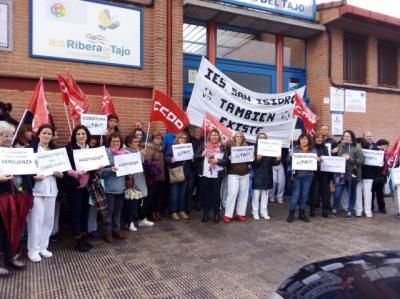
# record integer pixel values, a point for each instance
(351, 186)
(300, 192)
(177, 193)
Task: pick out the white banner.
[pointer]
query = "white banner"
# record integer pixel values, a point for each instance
(50, 161)
(182, 152)
(269, 148)
(17, 161)
(304, 161)
(241, 154)
(373, 157)
(96, 123)
(91, 158)
(128, 164)
(212, 171)
(86, 31)
(240, 109)
(333, 164)
(395, 174)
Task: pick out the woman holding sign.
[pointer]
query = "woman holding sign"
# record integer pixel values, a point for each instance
(210, 162)
(302, 179)
(41, 217)
(238, 182)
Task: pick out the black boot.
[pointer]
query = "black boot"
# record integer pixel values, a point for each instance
(325, 213)
(205, 216)
(217, 217)
(302, 216)
(290, 218)
(312, 212)
(81, 246)
(85, 240)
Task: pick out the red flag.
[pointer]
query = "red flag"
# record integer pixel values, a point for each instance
(305, 114)
(107, 107)
(72, 83)
(77, 104)
(38, 107)
(167, 111)
(210, 123)
(394, 152)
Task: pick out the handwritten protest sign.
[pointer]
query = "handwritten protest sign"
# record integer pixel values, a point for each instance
(50, 161)
(269, 147)
(395, 174)
(304, 161)
(373, 158)
(333, 164)
(91, 158)
(128, 164)
(241, 154)
(182, 152)
(211, 171)
(17, 161)
(96, 123)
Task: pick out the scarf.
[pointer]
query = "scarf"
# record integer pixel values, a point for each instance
(118, 151)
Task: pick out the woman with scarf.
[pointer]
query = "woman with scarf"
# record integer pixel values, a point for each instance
(41, 217)
(302, 180)
(354, 160)
(8, 185)
(238, 183)
(262, 182)
(114, 186)
(211, 160)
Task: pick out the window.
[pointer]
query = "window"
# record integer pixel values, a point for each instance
(387, 63)
(253, 47)
(354, 58)
(194, 39)
(294, 53)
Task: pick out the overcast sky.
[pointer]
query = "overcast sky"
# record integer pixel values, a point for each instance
(388, 7)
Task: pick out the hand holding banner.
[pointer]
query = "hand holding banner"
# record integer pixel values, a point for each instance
(269, 147)
(302, 161)
(96, 123)
(182, 152)
(373, 157)
(50, 161)
(17, 161)
(242, 154)
(128, 164)
(333, 164)
(91, 158)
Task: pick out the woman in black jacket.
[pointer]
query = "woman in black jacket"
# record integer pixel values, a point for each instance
(211, 160)
(262, 182)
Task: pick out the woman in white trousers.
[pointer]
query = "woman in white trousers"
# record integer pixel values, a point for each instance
(238, 183)
(41, 217)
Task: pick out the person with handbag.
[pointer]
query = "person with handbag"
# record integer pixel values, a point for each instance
(10, 186)
(45, 190)
(211, 160)
(178, 173)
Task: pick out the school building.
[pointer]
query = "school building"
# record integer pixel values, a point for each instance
(347, 56)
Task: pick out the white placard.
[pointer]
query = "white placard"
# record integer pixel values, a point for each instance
(373, 158)
(96, 123)
(50, 161)
(90, 158)
(302, 161)
(333, 164)
(337, 99)
(356, 101)
(86, 31)
(128, 164)
(395, 175)
(182, 152)
(269, 147)
(6, 36)
(210, 171)
(17, 161)
(242, 154)
(337, 124)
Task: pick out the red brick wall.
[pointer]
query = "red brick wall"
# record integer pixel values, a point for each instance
(18, 64)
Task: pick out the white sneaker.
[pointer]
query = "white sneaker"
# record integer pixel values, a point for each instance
(272, 199)
(256, 217)
(46, 253)
(266, 216)
(132, 227)
(34, 257)
(280, 200)
(368, 215)
(145, 222)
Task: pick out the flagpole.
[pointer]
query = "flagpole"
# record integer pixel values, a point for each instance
(19, 126)
(66, 114)
(147, 135)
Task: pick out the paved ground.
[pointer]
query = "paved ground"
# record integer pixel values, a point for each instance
(195, 260)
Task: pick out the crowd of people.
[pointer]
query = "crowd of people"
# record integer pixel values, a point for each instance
(210, 182)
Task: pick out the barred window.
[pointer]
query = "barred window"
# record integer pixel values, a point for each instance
(387, 63)
(354, 58)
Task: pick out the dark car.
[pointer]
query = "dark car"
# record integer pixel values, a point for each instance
(370, 275)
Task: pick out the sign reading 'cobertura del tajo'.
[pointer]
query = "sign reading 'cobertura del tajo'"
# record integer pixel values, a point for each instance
(88, 32)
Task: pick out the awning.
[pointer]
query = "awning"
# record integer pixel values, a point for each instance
(250, 19)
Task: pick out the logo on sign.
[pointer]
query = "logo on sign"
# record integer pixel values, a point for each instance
(57, 10)
(106, 21)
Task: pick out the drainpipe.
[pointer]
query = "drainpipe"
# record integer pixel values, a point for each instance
(169, 47)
